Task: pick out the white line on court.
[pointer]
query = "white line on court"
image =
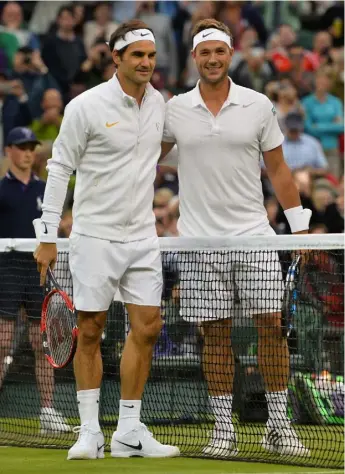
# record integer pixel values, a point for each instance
(332, 471)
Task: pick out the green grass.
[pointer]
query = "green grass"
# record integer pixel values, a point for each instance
(325, 442)
(50, 461)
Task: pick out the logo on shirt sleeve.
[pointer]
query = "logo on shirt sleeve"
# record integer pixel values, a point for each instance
(273, 110)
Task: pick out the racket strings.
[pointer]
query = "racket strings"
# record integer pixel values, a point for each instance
(59, 327)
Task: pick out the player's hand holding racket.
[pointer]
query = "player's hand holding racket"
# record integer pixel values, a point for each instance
(58, 318)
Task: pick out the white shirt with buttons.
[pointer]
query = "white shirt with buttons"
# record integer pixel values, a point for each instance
(219, 161)
(114, 145)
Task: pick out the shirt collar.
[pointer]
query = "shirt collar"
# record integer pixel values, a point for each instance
(115, 85)
(233, 96)
(10, 175)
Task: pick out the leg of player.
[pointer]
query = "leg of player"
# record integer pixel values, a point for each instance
(274, 364)
(7, 334)
(218, 368)
(132, 438)
(88, 370)
(50, 419)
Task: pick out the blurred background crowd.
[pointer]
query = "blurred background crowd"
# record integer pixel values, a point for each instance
(292, 51)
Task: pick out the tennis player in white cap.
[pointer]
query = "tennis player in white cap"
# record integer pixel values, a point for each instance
(221, 130)
(112, 136)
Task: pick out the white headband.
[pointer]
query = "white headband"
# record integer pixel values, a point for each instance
(132, 37)
(211, 34)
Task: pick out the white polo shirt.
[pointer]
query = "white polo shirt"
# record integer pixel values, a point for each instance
(219, 161)
(114, 145)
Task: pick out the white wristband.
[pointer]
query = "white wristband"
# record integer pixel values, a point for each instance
(46, 233)
(298, 218)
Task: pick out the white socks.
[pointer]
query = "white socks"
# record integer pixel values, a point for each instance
(277, 407)
(222, 409)
(88, 405)
(129, 417)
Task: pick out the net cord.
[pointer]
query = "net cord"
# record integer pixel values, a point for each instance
(240, 243)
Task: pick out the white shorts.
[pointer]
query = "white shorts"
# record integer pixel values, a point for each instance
(212, 282)
(99, 268)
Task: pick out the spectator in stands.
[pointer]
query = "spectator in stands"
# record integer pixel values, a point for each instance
(162, 197)
(324, 119)
(287, 102)
(63, 52)
(165, 40)
(254, 71)
(101, 28)
(301, 78)
(302, 150)
(323, 194)
(14, 106)
(46, 128)
(275, 13)
(21, 197)
(13, 35)
(321, 45)
(29, 67)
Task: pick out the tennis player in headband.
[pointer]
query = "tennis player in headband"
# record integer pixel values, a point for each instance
(221, 130)
(112, 135)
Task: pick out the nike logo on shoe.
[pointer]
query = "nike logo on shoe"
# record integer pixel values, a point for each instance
(128, 406)
(100, 447)
(139, 447)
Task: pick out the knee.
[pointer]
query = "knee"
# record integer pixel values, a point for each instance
(90, 329)
(217, 334)
(147, 333)
(270, 327)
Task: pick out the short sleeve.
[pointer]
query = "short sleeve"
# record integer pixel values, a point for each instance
(271, 136)
(168, 134)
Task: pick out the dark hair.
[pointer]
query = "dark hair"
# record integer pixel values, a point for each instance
(123, 29)
(65, 8)
(211, 23)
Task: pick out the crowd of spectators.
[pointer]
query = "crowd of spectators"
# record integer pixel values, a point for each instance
(291, 51)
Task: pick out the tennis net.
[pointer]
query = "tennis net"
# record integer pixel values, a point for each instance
(205, 280)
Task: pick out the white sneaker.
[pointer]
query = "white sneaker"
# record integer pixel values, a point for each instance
(140, 443)
(283, 441)
(53, 421)
(90, 444)
(223, 443)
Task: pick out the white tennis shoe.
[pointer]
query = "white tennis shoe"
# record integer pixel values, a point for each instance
(140, 443)
(283, 441)
(90, 444)
(53, 421)
(223, 443)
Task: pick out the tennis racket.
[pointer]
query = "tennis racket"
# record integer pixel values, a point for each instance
(58, 321)
(290, 297)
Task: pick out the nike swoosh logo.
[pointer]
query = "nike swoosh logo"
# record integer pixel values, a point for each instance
(208, 34)
(45, 228)
(138, 448)
(100, 447)
(109, 125)
(247, 105)
(144, 34)
(129, 406)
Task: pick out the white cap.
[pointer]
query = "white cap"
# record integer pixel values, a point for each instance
(211, 34)
(132, 37)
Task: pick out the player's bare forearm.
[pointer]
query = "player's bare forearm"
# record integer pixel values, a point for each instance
(281, 178)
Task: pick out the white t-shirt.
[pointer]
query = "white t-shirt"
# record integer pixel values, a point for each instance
(114, 145)
(219, 161)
